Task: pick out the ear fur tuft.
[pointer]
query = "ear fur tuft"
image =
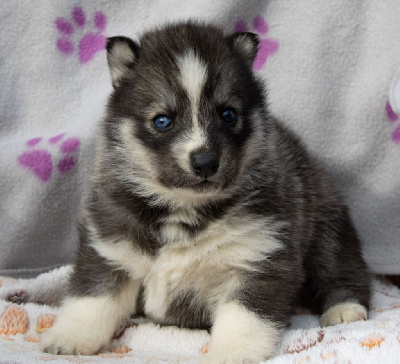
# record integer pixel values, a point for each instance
(246, 44)
(122, 53)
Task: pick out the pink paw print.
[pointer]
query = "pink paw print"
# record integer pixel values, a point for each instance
(88, 43)
(393, 118)
(39, 160)
(266, 47)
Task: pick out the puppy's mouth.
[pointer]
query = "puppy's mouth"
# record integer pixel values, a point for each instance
(204, 186)
(190, 185)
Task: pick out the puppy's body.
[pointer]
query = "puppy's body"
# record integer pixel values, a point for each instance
(221, 218)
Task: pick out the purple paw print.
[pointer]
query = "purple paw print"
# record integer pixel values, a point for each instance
(393, 118)
(88, 43)
(40, 161)
(266, 47)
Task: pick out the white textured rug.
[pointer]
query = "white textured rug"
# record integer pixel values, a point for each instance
(374, 341)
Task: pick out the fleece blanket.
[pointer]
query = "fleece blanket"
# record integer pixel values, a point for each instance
(328, 66)
(22, 320)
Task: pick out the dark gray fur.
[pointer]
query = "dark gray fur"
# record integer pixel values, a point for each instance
(321, 262)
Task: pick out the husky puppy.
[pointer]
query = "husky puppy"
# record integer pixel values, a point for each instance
(204, 211)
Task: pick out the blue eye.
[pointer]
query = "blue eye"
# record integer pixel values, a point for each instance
(228, 116)
(162, 122)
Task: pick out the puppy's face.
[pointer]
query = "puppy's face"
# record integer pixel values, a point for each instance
(187, 105)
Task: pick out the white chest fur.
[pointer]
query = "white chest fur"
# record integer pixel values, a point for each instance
(209, 265)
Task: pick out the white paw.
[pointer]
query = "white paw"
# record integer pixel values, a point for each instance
(83, 327)
(343, 312)
(71, 340)
(239, 336)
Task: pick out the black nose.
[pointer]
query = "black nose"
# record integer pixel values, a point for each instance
(204, 165)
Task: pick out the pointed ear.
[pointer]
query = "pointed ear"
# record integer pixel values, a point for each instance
(246, 44)
(122, 53)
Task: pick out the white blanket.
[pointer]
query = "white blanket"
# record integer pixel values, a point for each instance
(366, 342)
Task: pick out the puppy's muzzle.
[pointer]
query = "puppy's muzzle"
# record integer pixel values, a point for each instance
(204, 164)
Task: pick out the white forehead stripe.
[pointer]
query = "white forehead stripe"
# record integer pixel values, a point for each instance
(193, 75)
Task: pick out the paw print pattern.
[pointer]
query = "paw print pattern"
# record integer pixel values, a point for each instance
(266, 47)
(40, 161)
(14, 320)
(45, 322)
(89, 43)
(394, 119)
(373, 341)
(18, 297)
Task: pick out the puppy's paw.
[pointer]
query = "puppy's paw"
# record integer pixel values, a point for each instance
(343, 312)
(239, 336)
(83, 327)
(69, 341)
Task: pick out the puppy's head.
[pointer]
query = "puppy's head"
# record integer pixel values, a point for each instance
(186, 107)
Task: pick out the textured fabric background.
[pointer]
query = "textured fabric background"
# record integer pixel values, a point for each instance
(374, 341)
(328, 65)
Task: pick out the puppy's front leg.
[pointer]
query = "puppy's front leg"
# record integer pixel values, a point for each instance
(86, 324)
(241, 336)
(247, 327)
(99, 299)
